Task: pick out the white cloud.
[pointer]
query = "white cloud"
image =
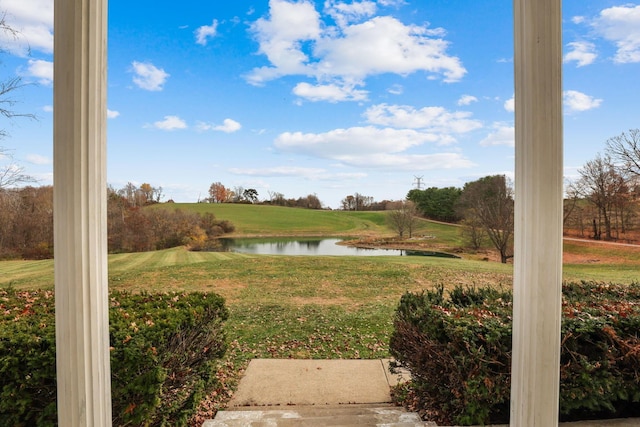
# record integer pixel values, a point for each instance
(206, 32)
(578, 19)
(345, 13)
(510, 104)
(48, 108)
(340, 143)
(584, 53)
(148, 76)
(385, 45)
(281, 36)
(296, 43)
(42, 70)
(575, 101)
(170, 123)
(370, 147)
(621, 25)
(396, 89)
(467, 100)
(432, 119)
(37, 159)
(502, 134)
(394, 3)
(33, 20)
(227, 126)
(329, 92)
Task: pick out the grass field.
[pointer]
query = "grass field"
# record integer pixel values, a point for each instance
(314, 307)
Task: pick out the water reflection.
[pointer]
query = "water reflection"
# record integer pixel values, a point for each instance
(298, 246)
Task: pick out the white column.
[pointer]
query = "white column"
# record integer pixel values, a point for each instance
(538, 208)
(82, 318)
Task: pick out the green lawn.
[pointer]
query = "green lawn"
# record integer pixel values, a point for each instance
(311, 307)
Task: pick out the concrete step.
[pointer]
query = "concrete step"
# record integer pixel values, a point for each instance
(318, 416)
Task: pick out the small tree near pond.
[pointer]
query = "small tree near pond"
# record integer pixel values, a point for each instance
(402, 217)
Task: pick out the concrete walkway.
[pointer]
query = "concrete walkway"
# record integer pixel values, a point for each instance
(275, 392)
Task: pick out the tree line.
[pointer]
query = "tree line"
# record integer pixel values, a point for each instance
(219, 193)
(602, 203)
(26, 223)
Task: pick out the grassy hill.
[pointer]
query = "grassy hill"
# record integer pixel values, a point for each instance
(277, 220)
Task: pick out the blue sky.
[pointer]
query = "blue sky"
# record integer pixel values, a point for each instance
(322, 97)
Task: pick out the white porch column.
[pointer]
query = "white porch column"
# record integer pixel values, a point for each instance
(82, 320)
(538, 208)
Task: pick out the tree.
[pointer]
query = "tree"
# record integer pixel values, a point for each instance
(276, 198)
(625, 149)
(437, 203)
(605, 187)
(402, 217)
(11, 173)
(357, 202)
(489, 202)
(150, 194)
(218, 193)
(311, 201)
(9, 86)
(250, 195)
(236, 196)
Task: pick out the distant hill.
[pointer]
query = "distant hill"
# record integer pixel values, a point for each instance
(277, 220)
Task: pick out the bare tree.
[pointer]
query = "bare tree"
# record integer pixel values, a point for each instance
(625, 149)
(489, 202)
(402, 217)
(473, 232)
(11, 174)
(605, 187)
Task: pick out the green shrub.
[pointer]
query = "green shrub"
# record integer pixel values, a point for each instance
(458, 349)
(162, 350)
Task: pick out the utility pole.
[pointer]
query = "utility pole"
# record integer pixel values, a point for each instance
(418, 182)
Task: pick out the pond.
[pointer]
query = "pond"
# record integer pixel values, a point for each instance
(310, 247)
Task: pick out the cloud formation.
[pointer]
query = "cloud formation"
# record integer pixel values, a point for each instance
(34, 22)
(503, 134)
(148, 77)
(37, 159)
(439, 122)
(370, 147)
(467, 100)
(298, 41)
(621, 25)
(583, 53)
(510, 104)
(170, 123)
(227, 126)
(575, 101)
(42, 70)
(206, 32)
(329, 92)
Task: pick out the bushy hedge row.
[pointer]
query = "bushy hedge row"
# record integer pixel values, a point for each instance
(458, 349)
(162, 350)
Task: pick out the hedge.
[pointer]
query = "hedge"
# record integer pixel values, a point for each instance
(458, 350)
(162, 350)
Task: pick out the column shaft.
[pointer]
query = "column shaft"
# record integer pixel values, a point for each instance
(82, 318)
(538, 209)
